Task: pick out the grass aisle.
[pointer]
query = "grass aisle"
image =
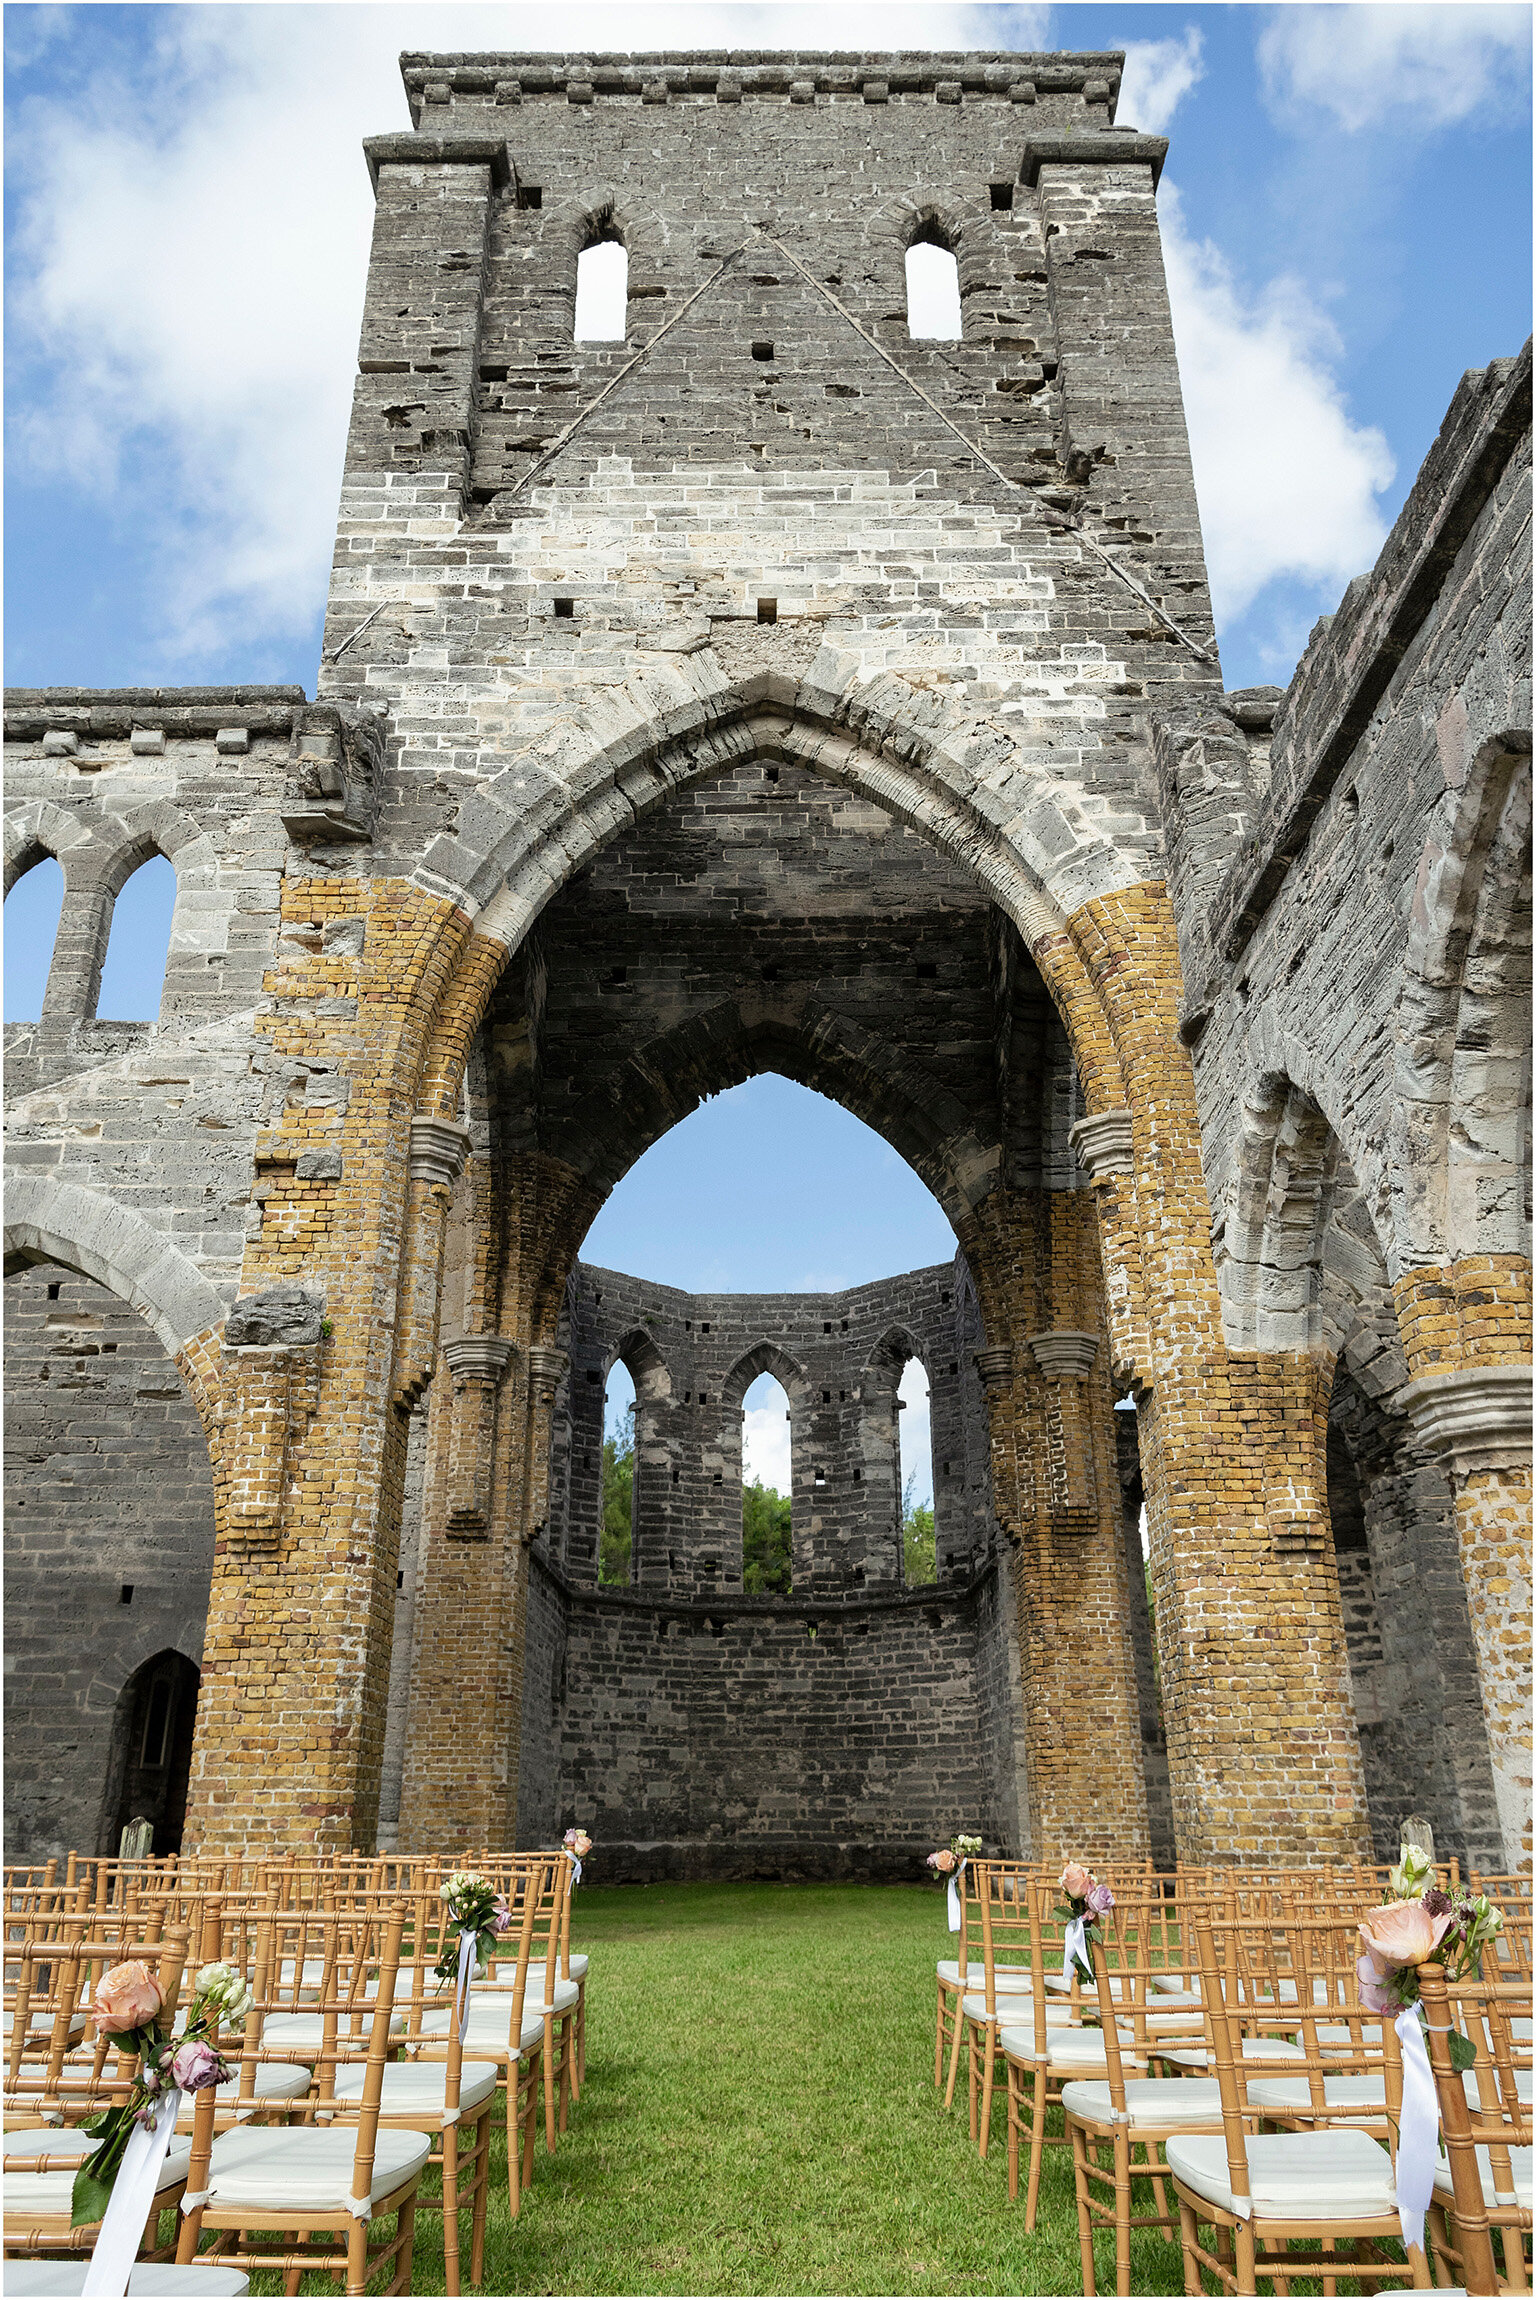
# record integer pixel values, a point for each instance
(760, 2117)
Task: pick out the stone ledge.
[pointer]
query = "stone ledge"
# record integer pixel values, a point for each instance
(730, 1604)
(450, 151)
(1479, 1417)
(1094, 148)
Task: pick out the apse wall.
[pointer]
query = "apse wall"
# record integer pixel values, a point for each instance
(842, 1730)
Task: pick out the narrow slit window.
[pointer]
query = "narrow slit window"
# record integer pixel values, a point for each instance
(919, 1563)
(617, 1538)
(933, 294)
(31, 927)
(133, 971)
(602, 293)
(766, 1467)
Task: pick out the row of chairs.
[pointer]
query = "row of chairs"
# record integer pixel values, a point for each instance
(350, 2075)
(1220, 2056)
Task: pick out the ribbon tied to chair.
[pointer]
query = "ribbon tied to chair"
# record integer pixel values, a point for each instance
(133, 2192)
(468, 1943)
(1418, 2134)
(1074, 1950)
(575, 1868)
(955, 1919)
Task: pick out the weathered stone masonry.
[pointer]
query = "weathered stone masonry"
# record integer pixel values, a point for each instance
(738, 707)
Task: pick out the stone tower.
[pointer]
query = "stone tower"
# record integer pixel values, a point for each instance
(775, 689)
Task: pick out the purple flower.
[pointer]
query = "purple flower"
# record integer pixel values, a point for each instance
(1436, 1903)
(1099, 1900)
(197, 2066)
(1373, 1978)
(501, 1914)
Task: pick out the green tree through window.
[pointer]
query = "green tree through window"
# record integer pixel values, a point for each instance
(765, 1540)
(618, 1502)
(918, 1537)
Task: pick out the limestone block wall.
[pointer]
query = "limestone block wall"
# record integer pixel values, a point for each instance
(108, 1546)
(841, 1730)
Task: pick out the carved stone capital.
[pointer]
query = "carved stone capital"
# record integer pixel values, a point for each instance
(994, 1364)
(1103, 1145)
(546, 1370)
(439, 1147)
(481, 1358)
(1478, 1417)
(1065, 1353)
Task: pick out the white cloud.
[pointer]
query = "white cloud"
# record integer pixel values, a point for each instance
(765, 1435)
(1361, 65)
(191, 251)
(1158, 75)
(1287, 480)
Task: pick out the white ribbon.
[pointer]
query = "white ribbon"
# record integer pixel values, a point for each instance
(1418, 2135)
(133, 2192)
(360, 2207)
(1074, 1946)
(467, 1969)
(955, 1919)
(575, 1870)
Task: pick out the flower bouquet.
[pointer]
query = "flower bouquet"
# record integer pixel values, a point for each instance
(951, 1858)
(1417, 1925)
(126, 2006)
(476, 1907)
(578, 1844)
(1085, 1902)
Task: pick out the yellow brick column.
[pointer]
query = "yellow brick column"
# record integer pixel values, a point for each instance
(1050, 1401)
(291, 1710)
(1263, 1751)
(1467, 1336)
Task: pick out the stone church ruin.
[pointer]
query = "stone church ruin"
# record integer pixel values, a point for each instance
(774, 689)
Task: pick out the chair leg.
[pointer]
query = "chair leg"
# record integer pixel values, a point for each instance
(567, 2063)
(530, 2128)
(405, 2231)
(549, 2083)
(357, 2257)
(970, 2076)
(1036, 2151)
(989, 2048)
(1013, 2133)
(1189, 2238)
(451, 2208)
(1084, 2217)
(482, 2162)
(1122, 2213)
(954, 2049)
(514, 2138)
(938, 2042)
(578, 2046)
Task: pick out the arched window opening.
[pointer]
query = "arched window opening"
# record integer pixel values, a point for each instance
(152, 1753)
(933, 293)
(602, 293)
(919, 1538)
(31, 925)
(133, 971)
(616, 1546)
(767, 1483)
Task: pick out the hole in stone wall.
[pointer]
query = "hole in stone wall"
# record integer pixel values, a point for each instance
(565, 608)
(927, 971)
(31, 925)
(1002, 197)
(125, 1594)
(914, 1441)
(767, 610)
(530, 195)
(933, 294)
(767, 1468)
(133, 971)
(53, 1293)
(617, 1533)
(762, 351)
(602, 293)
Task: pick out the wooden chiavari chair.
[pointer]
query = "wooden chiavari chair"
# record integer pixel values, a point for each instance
(1483, 2186)
(1331, 2186)
(50, 2092)
(295, 2198)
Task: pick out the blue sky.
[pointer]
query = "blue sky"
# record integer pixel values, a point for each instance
(1346, 226)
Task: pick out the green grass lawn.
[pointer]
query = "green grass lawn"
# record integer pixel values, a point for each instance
(759, 2116)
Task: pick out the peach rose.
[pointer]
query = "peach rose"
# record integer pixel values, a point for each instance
(1402, 1933)
(1075, 1880)
(125, 1997)
(943, 1861)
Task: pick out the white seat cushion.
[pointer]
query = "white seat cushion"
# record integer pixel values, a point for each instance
(488, 2031)
(419, 2087)
(150, 2280)
(1175, 1984)
(275, 2080)
(1291, 2095)
(1011, 1980)
(1494, 2190)
(1254, 2048)
(304, 2032)
(1152, 2103)
(1522, 2088)
(291, 2169)
(578, 1968)
(33, 2196)
(1074, 2049)
(1305, 2176)
(1056, 2016)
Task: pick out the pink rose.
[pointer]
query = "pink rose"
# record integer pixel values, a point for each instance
(1402, 1933)
(197, 2066)
(501, 1915)
(1373, 1979)
(943, 1861)
(1075, 1880)
(126, 1997)
(1099, 1899)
